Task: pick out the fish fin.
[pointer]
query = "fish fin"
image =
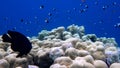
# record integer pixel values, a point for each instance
(19, 55)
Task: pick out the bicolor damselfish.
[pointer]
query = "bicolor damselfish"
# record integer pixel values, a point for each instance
(19, 42)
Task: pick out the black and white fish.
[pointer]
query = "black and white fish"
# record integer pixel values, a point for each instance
(19, 42)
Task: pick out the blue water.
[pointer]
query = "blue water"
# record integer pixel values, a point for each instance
(28, 16)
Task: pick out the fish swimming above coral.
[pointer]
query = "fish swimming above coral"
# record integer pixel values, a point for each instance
(19, 43)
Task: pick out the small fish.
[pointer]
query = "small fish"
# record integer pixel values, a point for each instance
(54, 9)
(19, 42)
(49, 14)
(105, 7)
(117, 25)
(86, 6)
(22, 20)
(42, 6)
(46, 21)
(83, 1)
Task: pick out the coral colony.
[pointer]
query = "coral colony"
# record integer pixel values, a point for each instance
(64, 48)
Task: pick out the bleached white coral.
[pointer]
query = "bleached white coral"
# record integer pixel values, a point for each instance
(4, 63)
(107, 40)
(67, 61)
(81, 45)
(91, 37)
(56, 52)
(112, 55)
(115, 65)
(21, 62)
(42, 34)
(66, 45)
(57, 66)
(61, 48)
(100, 64)
(81, 64)
(75, 29)
(83, 53)
(71, 52)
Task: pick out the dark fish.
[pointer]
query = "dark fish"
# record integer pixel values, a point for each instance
(114, 3)
(117, 25)
(21, 20)
(5, 18)
(83, 1)
(49, 14)
(96, 3)
(86, 6)
(105, 7)
(18, 42)
(42, 6)
(54, 9)
(82, 10)
(46, 21)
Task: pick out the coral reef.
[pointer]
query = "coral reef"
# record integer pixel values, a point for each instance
(64, 48)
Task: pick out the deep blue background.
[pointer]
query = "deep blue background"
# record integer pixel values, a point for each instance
(96, 20)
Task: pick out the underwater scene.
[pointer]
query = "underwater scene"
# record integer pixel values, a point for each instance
(60, 34)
